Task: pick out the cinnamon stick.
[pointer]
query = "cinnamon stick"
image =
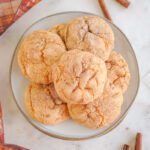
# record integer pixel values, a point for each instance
(138, 144)
(104, 9)
(124, 3)
(126, 147)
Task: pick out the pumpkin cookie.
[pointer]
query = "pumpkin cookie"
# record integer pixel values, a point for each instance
(101, 112)
(37, 53)
(43, 104)
(61, 30)
(90, 33)
(79, 77)
(118, 71)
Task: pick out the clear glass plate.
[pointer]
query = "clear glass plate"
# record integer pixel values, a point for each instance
(69, 130)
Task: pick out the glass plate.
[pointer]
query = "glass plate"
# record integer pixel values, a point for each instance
(69, 130)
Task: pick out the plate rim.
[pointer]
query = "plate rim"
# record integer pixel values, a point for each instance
(74, 138)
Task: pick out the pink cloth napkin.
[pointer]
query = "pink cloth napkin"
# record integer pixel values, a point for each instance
(11, 10)
(3, 145)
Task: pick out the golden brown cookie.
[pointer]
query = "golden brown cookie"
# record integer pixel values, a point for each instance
(90, 33)
(100, 112)
(43, 104)
(38, 51)
(61, 30)
(79, 77)
(118, 71)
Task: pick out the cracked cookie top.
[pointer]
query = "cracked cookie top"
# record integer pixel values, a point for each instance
(118, 71)
(37, 53)
(102, 111)
(79, 77)
(43, 104)
(88, 33)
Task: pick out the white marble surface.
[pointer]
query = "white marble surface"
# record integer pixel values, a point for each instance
(135, 23)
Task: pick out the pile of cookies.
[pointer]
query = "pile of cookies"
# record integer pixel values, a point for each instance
(74, 73)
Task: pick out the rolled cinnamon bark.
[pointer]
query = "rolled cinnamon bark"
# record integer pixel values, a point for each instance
(124, 3)
(138, 144)
(126, 147)
(104, 9)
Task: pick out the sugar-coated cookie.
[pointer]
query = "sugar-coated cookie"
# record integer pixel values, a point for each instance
(79, 77)
(38, 51)
(89, 33)
(118, 71)
(43, 104)
(101, 112)
(61, 30)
